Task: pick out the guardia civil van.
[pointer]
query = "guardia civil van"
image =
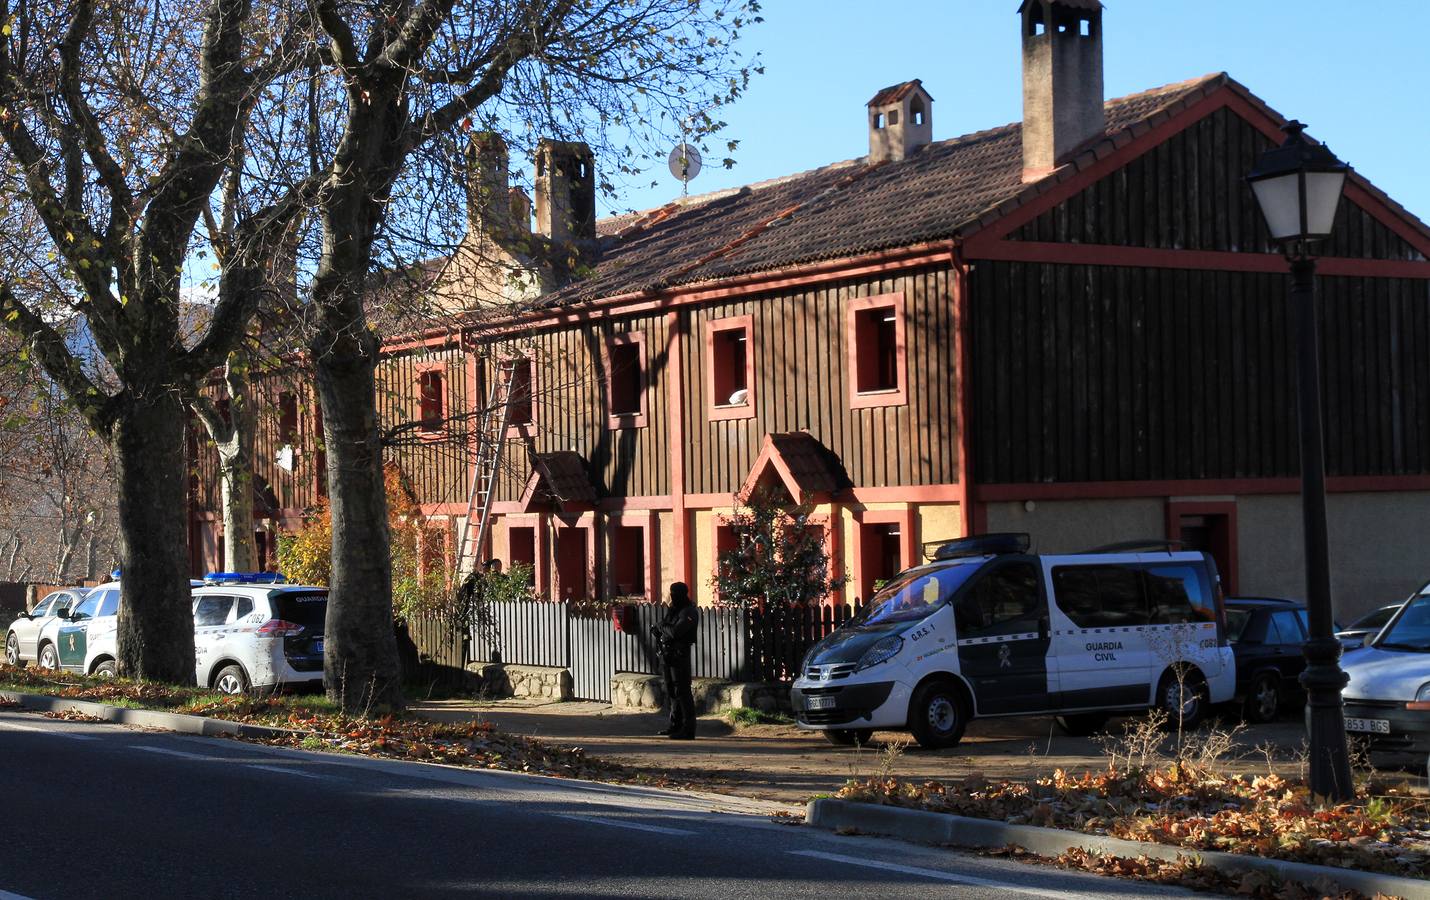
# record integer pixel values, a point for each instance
(988, 629)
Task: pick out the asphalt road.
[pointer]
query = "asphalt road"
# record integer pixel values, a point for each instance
(93, 810)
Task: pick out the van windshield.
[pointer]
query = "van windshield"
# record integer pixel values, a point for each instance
(916, 593)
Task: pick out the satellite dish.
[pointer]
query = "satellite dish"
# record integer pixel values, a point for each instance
(684, 162)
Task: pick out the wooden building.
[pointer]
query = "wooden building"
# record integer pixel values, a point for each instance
(1074, 326)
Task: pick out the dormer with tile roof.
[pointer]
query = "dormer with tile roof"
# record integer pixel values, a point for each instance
(900, 122)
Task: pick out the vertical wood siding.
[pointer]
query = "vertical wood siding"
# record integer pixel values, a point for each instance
(1190, 193)
(801, 383)
(435, 463)
(1088, 373)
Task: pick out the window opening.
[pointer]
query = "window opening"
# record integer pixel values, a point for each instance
(916, 111)
(893, 117)
(431, 401)
(521, 547)
(626, 379)
(628, 560)
(522, 404)
(876, 338)
(572, 564)
(731, 360)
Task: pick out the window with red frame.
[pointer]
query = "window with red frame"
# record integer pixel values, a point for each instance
(432, 400)
(287, 418)
(522, 405)
(627, 382)
(730, 347)
(628, 560)
(877, 349)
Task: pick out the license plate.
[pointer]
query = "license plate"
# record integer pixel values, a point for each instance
(818, 702)
(1373, 726)
(317, 646)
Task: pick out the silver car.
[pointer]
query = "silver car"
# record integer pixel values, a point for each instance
(1388, 696)
(21, 638)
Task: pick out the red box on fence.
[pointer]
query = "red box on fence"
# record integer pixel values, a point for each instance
(624, 618)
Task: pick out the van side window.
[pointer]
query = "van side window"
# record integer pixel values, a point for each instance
(1178, 594)
(1005, 601)
(1100, 596)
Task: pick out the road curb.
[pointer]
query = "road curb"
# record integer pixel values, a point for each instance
(144, 718)
(962, 831)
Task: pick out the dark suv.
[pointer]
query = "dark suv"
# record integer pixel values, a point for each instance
(1266, 635)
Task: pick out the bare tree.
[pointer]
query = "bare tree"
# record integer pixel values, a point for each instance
(408, 79)
(119, 121)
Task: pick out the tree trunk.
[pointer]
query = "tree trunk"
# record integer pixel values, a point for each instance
(156, 624)
(236, 482)
(361, 668)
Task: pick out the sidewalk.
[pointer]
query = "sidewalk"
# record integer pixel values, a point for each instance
(783, 763)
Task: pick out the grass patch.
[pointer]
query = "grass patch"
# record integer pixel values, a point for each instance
(742, 716)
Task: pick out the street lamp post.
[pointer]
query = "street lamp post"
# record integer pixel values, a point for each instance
(1298, 187)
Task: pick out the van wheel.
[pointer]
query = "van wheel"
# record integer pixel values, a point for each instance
(938, 715)
(1263, 701)
(1184, 701)
(1082, 724)
(231, 680)
(12, 649)
(849, 737)
(106, 669)
(49, 659)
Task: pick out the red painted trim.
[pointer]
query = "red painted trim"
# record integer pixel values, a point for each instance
(718, 412)
(1104, 490)
(1231, 578)
(526, 430)
(916, 493)
(474, 402)
(905, 518)
(963, 393)
(430, 340)
(650, 547)
(1155, 258)
(586, 522)
(1089, 169)
(623, 504)
(781, 278)
(536, 522)
(899, 396)
(443, 509)
(625, 339)
(770, 456)
(675, 411)
(710, 501)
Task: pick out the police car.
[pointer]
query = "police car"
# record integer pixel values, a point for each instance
(253, 633)
(22, 638)
(987, 629)
(1387, 699)
(83, 641)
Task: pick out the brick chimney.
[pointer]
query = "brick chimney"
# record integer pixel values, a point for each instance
(565, 191)
(900, 122)
(1062, 80)
(488, 180)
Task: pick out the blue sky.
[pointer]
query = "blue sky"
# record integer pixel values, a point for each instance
(1356, 73)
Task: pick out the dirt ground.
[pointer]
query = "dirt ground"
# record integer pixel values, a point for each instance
(784, 763)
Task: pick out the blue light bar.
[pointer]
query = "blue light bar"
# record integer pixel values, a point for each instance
(244, 578)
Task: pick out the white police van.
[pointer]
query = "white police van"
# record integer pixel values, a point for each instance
(987, 629)
(252, 632)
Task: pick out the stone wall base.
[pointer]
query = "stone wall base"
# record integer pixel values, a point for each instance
(549, 682)
(633, 691)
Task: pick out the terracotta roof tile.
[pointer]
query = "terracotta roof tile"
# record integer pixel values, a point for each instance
(895, 93)
(813, 466)
(559, 478)
(948, 188)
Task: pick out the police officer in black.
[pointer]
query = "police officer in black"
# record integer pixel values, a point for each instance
(676, 635)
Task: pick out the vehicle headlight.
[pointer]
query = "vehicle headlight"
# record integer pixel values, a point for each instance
(1423, 695)
(882, 651)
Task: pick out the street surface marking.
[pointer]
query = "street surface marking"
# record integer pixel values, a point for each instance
(617, 823)
(167, 752)
(969, 880)
(6, 895)
(57, 732)
(287, 771)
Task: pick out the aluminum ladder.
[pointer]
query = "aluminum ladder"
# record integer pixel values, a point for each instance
(491, 444)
